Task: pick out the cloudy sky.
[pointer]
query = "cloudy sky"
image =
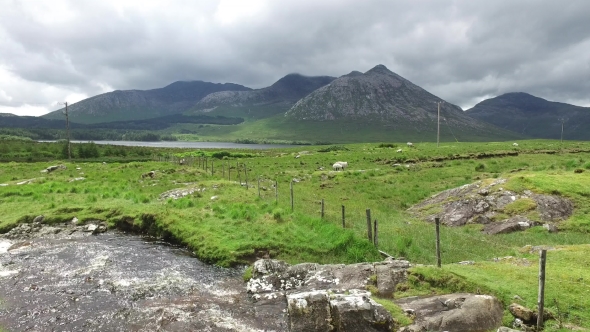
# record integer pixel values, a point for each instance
(463, 51)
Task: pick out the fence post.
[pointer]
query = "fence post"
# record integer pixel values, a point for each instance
(322, 208)
(206, 165)
(292, 205)
(258, 186)
(222, 170)
(375, 236)
(276, 191)
(541, 297)
(239, 177)
(343, 224)
(437, 222)
(212, 167)
(369, 226)
(246, 175)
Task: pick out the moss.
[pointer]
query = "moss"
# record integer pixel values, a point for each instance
(400, 318)
(247, 275)
(520, 206)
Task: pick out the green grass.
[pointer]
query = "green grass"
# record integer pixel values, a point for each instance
(238, 224)
(567, 284)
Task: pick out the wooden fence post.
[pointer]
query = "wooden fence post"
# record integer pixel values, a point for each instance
(541, 296)
(369, 226)
(322, 208)
(276, 191)
(212, 167)
(206, 165)
(437, 222)
(222, 170)
(375, 236)
(343, 224)
(258, 186)
(246, 175)
(292, 204)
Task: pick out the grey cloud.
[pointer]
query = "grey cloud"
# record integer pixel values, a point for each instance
(460, 50)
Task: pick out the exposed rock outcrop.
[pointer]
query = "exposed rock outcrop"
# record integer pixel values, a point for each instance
(327, 297)
(453, 312)
(484, 202)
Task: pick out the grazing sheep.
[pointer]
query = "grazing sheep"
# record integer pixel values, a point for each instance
(399, 150)
(343, 163)
(514, 144)
(410, 144)
(337, 166)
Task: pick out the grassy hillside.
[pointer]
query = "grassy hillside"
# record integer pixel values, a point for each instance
(224, 223)
(281, 128)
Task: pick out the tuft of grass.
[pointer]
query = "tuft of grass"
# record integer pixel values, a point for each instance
(520, 206)
(396, 312)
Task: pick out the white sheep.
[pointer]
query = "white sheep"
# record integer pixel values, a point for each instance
(343, 163)
(337, 166)
(399, 150)
(515, 144)
(410, 144)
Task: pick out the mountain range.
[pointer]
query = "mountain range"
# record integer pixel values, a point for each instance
(377, 105)
(534, 117)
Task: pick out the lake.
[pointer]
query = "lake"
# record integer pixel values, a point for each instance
(195, 145)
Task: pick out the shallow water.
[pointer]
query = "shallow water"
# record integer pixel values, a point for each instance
(116, 282)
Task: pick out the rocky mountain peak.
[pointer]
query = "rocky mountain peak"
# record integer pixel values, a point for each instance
(377, 95)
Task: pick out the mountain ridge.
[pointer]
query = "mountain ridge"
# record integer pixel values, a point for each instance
(533, 116)
(176, 97)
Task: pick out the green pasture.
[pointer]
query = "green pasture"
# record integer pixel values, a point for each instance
(226, 223)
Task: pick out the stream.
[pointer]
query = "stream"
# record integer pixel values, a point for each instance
(66, 279)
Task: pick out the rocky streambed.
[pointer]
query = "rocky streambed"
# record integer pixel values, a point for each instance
(66, 279)
(81, 278)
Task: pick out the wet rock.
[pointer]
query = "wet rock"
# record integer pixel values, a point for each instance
(454, 312)
(90, 228)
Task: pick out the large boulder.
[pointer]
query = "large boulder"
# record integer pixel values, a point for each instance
(331, 297)
(460, 312)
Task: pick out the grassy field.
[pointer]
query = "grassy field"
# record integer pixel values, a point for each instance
(225, 223)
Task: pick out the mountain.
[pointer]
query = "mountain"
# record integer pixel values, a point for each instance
(382, 97)
(142, 104)
(534, 117)
(277, 98)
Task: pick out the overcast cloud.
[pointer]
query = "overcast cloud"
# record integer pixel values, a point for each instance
(463, 51)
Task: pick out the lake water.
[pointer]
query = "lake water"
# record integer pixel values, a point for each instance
(195, 145)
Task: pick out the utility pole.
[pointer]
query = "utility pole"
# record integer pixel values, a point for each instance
(68, 132)
(562, 120)
(438, 124)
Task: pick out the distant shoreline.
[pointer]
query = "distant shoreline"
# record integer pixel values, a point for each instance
(196, 145)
